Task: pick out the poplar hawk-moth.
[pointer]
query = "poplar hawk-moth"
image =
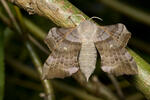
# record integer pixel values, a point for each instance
(74, 49)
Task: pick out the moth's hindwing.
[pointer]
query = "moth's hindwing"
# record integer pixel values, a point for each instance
(111, 43)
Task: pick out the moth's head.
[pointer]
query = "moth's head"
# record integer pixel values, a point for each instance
(86, 26)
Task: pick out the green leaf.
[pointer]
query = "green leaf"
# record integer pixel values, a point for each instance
(2, 80)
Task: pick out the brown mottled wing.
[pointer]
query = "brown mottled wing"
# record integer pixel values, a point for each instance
(55, 36)
(62, 62)
(110, 43)
(119, 33)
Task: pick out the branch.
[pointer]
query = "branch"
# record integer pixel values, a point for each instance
(117, 86)
(38, 65)
(142, 80)
(58, 11)
(36, 43)
(26, 70)
(128, 10)
(35, 31)
(4, 19)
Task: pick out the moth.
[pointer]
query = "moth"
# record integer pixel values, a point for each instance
(76, 48)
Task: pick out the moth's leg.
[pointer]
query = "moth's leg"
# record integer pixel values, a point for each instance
(69, 18)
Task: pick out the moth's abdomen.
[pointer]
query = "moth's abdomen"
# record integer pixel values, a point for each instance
(87, 58)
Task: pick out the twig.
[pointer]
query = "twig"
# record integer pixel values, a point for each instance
(24, 83)
(130, 11)
(77, 92)
(100, 88)
(123, 84)
(36, 61)
(32, 27)
(142, 80)
(35, 42)
(4, 19)
(13, 20)
(38, 65)
(34, 30)
(24, 69)
(116, 84)
(95, 87)
(58, 85)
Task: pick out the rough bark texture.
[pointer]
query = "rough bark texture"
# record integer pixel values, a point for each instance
(59, 11)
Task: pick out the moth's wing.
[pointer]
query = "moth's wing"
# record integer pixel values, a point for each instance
(62, 62)
(55, 36)
(119, 33)
(114, 57)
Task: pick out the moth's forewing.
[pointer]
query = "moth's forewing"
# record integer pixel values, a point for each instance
(65, 47)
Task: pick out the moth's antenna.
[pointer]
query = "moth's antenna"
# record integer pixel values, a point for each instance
(95, 18)
(80, 16)
(76, 15)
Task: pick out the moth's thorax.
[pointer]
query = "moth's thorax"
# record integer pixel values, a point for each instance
(87, 29)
